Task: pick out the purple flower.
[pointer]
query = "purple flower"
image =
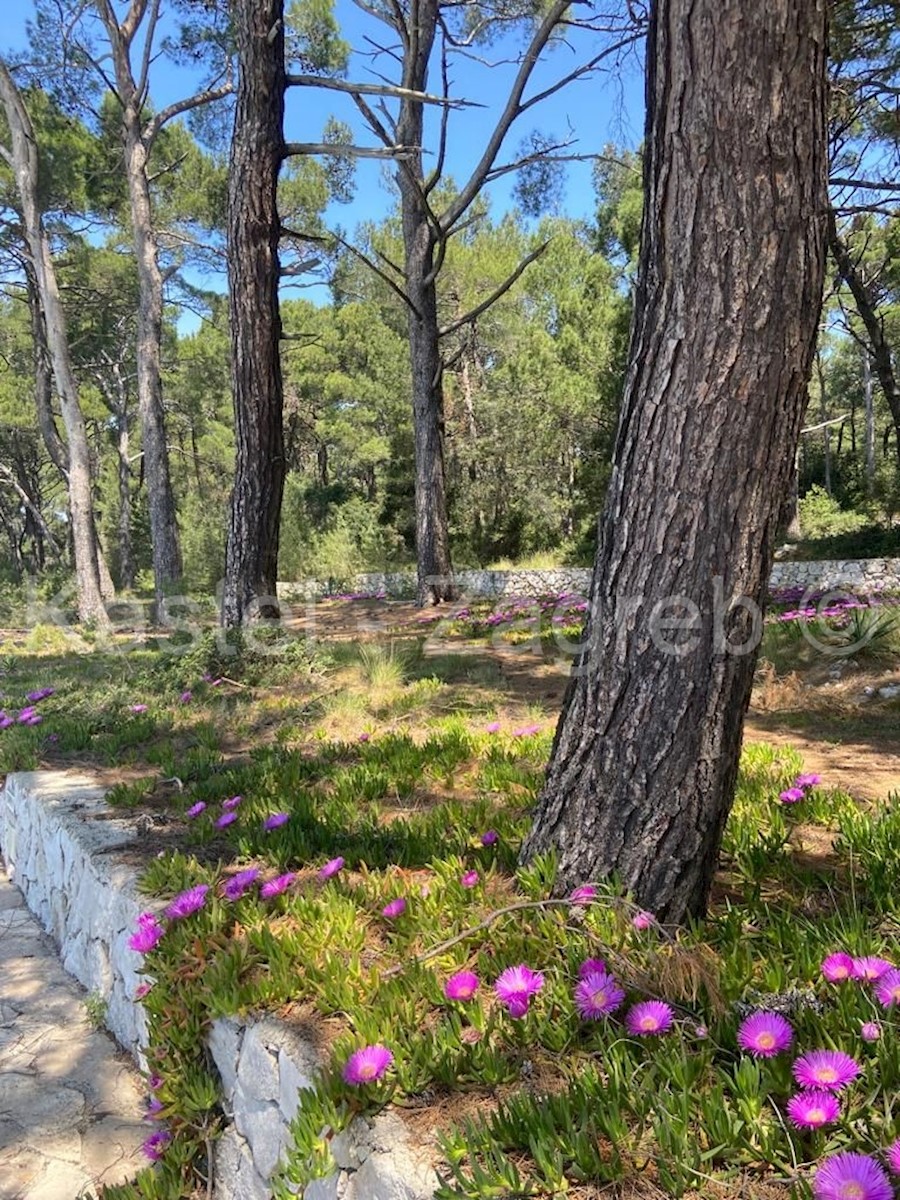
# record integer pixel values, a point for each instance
(196, 809)
(186, 697)
(276, 886)
(828, 1069)
(807, 781)
(849, 1176)
(893, 1156)
(148, 934)
(226, 819)
(870, 968)
(649, 1017)
(367, 1065)
(188, 902)
(40, 694)
(583, 895)
(470, 879)
(489, 837)
(765, 1034)
(597, 995)
(155, 1145)
(34, 719)
(239, 883)
(331, 868)
(837, 967)
(155, 1082)
(791, 795)
(592, 966)
(515, 986)
(887, 989)
(812, 1110)
(154, 1108)
(494, 727)
(231, 803)
(394, 908)
(138, 708)
(643, 920)
(526, 731)
(5, 722)
(461, 986)
(25, 715)
(276, 820)
(870, 1031)
(364, 737)
(142, 990)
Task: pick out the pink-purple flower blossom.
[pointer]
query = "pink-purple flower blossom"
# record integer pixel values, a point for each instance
(828, 1069)
(187, 902)
(238, 884)
(515, 986)
(813, 1109)
(331, 868)
(791, 795)
(583, 895)
(643, 920)
(494, 727)
(870, 1031)
(837, 967)
(196, 809)
(461, 986)
(765, 1034)
(231, 803)
(592, 966)
(649, 1017)
(276, 820)
(807, 781)
(367, 1065)
(597, 995)
(226, 819)
(870, 968)
(470, 879)
(276, 886)
(155, 1145)
(394, 908)
(489, 837)
(893, 1156)
(887, 988)
(148, 934)
(138, 708)
(850, 1176)
(186, 697)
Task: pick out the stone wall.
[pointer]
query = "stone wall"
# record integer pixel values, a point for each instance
(864, 575)
(65, 850)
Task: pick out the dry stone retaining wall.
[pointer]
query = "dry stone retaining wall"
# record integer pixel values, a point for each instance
(866, 575)
(63, 848)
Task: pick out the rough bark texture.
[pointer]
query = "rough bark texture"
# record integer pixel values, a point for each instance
(257, 149)
(81, 512)
(874, 325)
(733, 247)
(167, 567)
(433, 565)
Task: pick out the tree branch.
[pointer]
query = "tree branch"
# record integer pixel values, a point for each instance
(377, 89)
(186, 105)
(297, 148)
(495, 295)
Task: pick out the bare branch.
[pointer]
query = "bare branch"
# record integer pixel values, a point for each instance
(296, 148)
(143, 82)
(377, 89)
(186, 105)
(495, 295)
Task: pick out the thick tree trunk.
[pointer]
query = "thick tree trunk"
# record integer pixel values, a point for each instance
(81, 513)
(869, 399)
(126, 552)
(167, 567)
(433, 565)
(257, 150)
(874, 325)
(643, 768)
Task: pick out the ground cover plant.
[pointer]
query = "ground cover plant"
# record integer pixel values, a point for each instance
(340, 846)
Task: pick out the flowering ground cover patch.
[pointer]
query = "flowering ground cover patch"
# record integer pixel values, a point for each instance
(367, 880)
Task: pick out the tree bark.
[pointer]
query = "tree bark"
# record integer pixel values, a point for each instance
(257, 150)
(645, 759)
(869, 399)
(26, 167)
(874, 326)
(433, 566)
(167, 565)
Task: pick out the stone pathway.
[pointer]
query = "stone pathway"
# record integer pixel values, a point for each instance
(71, 1101)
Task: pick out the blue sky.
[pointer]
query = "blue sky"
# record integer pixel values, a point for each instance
(608, 107)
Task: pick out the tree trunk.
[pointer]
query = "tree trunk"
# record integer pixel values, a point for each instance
(257, 150)
(126, 552)
(645, 759)
(874, 325)
(25, 166)
(433, 567)
(868, 394)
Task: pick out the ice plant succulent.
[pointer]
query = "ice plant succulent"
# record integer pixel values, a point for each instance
(837, 967)
(893, 1156)
(276, 820)
(367, 1065)
(148, 935)
(592, 966)
(238, 884)
(828, 1069)
(155, 1145)
(597, 995)
(813, 1109)
(231, 803)
(461, 986)
(226, 819)
(196, 809)
(394, 908)
(791, 795)
(515, 986)
(870, 968)
(765, 1034)
(649, 1018)
(870, 1031)
(850, 1176)
(489, 837)
(583, 895)
(470, 879)
(643, 920)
